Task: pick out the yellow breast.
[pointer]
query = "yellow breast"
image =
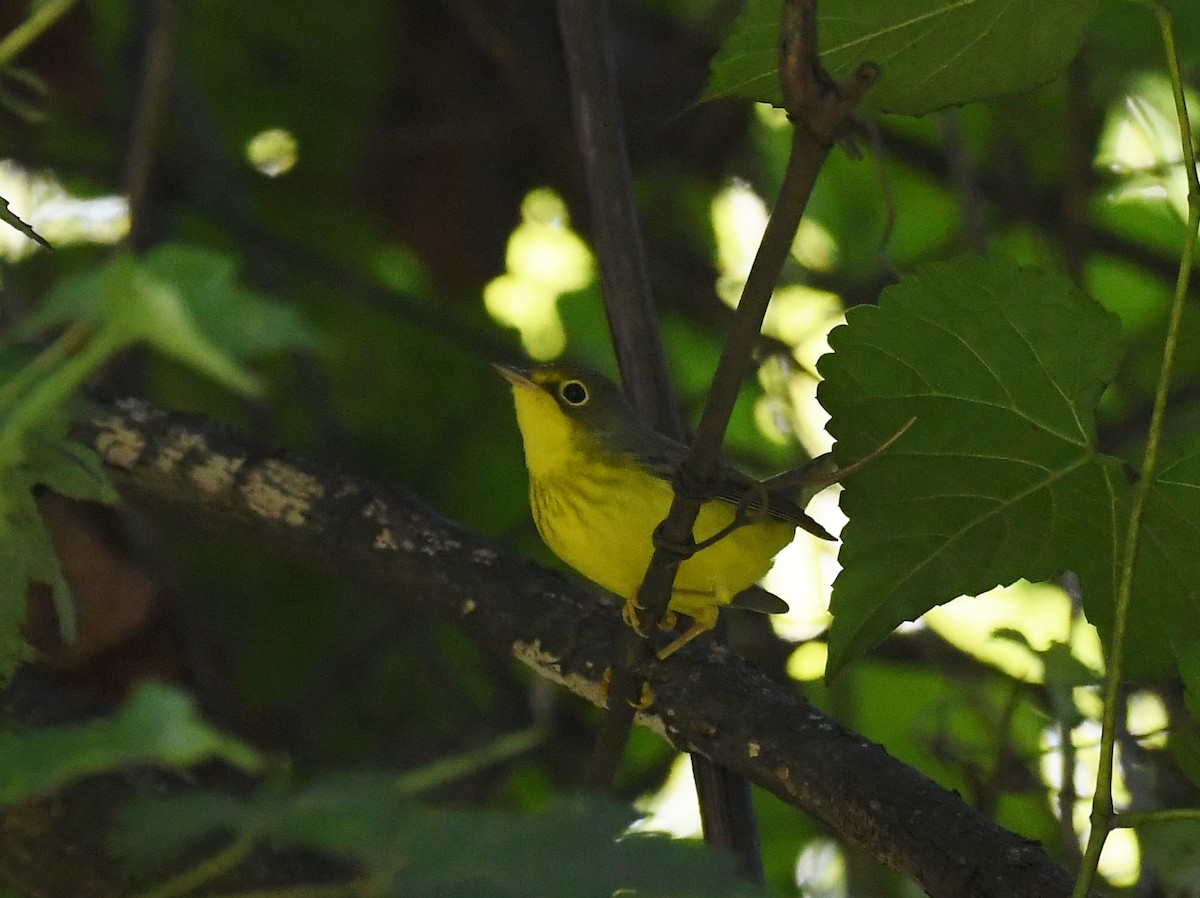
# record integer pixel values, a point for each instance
(597, 513)
(602, 527)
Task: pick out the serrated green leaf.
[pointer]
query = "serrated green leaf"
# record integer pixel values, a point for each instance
(998, 478)
(932, 54)
(158, 725)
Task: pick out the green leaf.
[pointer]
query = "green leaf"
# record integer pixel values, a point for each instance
(998, 478)
(158, 725)
(24, 554)
(1062, 673)
(1170, 846)
(1166, 585)
(932, 54)
(42, 456)
(238, 320)
(242, 322)
(72, 298)
(151, 829)
(129, 304)
(183, 301)
(138, 306)
(67, 467)
(573, 847)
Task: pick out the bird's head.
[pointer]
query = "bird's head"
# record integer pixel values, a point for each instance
(567, 413)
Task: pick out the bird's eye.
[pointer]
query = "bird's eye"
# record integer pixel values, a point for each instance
(573, 392)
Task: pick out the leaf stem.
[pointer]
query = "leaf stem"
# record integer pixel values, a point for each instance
(1102, 817)
(1167, 815)
(49, 392)
(68, 343)
(455, 767)
(41, 17)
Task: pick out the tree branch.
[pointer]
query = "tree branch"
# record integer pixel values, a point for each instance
(383, 537)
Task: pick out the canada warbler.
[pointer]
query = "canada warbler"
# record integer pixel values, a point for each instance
(600, 483)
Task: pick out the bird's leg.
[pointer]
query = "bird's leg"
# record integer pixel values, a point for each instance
(644, 700)
(629, 614)
(702, 621)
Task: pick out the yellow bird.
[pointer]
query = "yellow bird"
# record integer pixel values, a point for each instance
(600, 482)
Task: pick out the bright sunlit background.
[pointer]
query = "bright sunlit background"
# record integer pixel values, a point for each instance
(54, 213)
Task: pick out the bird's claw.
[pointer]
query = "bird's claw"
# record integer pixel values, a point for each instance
(645, 700)
(629, 614)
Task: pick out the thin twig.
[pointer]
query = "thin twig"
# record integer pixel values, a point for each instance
(1130, 819)
(41, 17)
(1102, 802)
(153, 91)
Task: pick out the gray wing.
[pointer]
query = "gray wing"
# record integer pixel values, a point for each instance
(733, 486)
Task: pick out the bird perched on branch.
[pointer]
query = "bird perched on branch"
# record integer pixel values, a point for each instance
(600, 482)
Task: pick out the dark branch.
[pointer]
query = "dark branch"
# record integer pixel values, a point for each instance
(153, 92)
(632, 316)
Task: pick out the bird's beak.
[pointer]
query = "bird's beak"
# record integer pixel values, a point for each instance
(518, 377)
